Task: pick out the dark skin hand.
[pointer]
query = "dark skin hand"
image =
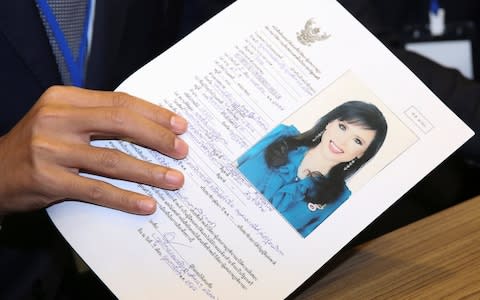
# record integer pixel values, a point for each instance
(41, 157)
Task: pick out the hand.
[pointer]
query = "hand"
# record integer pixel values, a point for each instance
(41, 157)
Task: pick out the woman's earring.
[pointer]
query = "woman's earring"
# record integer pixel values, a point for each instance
(318, 136)
(350, 164)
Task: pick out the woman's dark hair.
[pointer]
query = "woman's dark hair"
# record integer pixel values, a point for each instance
(328, 187)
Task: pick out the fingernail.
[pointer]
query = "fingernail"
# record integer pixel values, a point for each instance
(178, 123)
(174, 178)
(148, 205)
(180, 146)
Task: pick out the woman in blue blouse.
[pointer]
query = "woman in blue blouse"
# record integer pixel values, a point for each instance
(303, 174)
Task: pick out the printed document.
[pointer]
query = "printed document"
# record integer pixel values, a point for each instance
(303, 128)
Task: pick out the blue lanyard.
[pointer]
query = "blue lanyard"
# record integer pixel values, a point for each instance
(76, 66)
(434, 6)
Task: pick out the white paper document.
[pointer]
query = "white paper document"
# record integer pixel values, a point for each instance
(303, 128)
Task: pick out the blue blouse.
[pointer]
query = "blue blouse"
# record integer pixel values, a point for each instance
(282, 187)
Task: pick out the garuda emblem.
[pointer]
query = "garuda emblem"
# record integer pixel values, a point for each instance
(312, 33)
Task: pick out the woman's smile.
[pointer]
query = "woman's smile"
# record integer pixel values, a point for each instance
(334, 148)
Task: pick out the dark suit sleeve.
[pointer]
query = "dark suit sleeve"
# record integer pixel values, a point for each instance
(35, 261)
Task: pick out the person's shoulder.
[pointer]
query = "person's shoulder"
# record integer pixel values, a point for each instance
(285, 129)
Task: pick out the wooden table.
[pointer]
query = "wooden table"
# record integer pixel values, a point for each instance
(435, 258)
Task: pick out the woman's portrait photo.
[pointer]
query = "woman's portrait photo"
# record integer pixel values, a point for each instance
(303, 172)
